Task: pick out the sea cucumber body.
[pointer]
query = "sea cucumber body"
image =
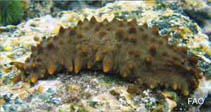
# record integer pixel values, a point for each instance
(136, 53)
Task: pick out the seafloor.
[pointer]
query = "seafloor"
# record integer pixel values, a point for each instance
(92, 91)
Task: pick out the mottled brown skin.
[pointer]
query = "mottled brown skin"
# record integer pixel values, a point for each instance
(136, 53)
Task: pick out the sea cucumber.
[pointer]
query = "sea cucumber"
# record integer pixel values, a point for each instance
(137, 53)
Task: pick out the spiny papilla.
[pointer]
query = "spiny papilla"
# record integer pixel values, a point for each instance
(136, 53)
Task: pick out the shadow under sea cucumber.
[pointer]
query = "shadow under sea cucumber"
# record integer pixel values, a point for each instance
(136, 53)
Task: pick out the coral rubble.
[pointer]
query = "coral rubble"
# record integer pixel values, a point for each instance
(136, 53)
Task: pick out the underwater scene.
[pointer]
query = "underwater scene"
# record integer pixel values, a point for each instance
(105, 56)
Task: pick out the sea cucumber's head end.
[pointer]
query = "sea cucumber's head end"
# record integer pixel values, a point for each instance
(16, 79)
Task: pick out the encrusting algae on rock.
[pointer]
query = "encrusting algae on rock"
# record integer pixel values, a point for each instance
(136, 53)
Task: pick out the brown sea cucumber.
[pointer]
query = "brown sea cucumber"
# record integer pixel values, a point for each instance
(136, 53)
